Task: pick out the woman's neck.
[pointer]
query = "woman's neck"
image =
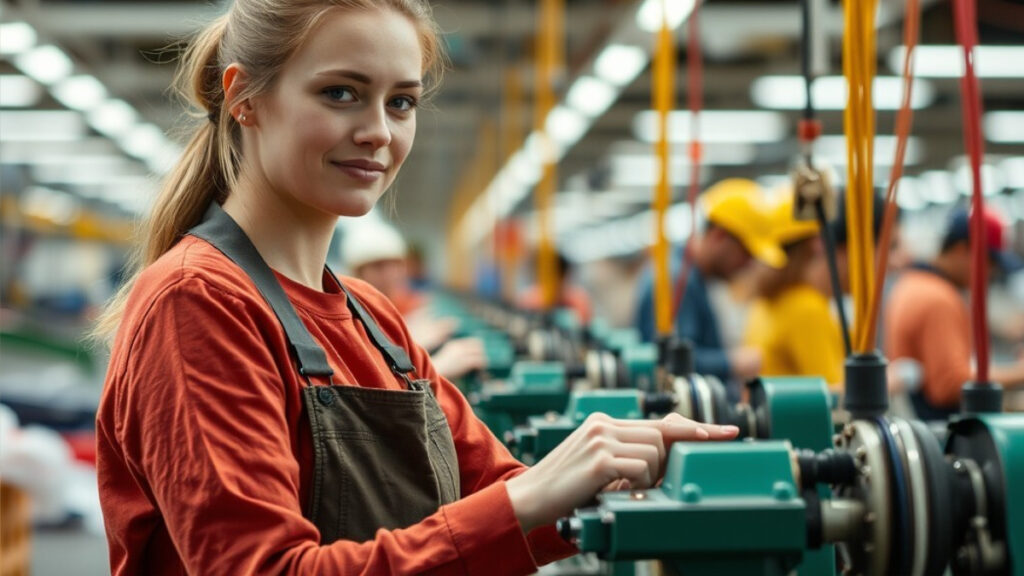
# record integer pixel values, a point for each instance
(291, 237)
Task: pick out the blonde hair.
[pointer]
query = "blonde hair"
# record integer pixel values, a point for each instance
(261, 36)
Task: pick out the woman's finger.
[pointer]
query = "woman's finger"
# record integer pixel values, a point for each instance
(648, 441)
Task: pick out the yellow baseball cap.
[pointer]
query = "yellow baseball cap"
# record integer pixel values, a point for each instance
(739, 206)
(785, 227)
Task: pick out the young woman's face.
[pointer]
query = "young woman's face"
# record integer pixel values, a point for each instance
(334, 131)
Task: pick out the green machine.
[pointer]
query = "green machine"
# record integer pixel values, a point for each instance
(540, 389)
(900, 505)
(532, 388)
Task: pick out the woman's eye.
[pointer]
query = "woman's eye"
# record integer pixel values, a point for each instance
(339, 94)
(403, 103)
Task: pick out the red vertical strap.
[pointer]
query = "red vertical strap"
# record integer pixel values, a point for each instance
(967, 35)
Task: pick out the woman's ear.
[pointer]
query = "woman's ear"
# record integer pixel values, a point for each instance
(235, 81)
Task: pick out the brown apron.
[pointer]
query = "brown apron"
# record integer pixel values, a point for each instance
(382, 458)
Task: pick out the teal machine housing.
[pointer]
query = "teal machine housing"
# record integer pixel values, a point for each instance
(718, 512)
(901, 504)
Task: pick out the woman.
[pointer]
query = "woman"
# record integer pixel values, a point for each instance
(259, 416)
(790, 321)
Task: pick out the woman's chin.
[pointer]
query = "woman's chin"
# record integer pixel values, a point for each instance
(356, 206)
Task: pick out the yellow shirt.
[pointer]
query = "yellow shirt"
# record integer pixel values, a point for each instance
(797, 335)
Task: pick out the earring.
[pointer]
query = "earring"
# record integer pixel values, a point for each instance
(241, 118)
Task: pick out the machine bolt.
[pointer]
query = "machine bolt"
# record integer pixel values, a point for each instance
(691, 493)
(837, 440)
(861, 454)
(848, 432)
(782, 491)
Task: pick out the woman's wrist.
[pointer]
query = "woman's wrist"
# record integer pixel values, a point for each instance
(523, 503)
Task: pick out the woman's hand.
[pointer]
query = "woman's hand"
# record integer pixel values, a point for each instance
(600, 452)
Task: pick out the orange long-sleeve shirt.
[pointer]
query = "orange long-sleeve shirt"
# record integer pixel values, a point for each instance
(204, 454)
(927, 320)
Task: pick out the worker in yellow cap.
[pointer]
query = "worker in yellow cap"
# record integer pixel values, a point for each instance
(736, 228)
(790, 321)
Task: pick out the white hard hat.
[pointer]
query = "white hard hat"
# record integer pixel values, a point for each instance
(367, 242)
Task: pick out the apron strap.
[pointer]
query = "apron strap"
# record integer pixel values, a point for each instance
(220, 230)
(396, 356)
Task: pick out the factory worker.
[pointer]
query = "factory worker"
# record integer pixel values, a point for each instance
(263, 416)
(790, 321)
(737, 228)
(927, 319)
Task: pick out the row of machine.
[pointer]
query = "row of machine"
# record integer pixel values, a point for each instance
(811, 488)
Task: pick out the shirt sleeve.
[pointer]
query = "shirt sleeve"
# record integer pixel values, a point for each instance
(205, 433)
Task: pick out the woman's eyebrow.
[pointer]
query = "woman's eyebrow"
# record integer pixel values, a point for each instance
(364, 79)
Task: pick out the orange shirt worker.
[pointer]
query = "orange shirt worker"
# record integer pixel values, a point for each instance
(260, 415)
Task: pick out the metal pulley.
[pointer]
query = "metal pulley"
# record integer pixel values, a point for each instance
(811, 186)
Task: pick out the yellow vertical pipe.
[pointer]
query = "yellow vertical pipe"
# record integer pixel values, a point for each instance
(548, 59)
(858, 66)
(663, 90)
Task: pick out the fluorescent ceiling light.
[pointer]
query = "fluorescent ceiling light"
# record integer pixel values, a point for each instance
(1004, 126)
(947, 61)
(143, 141)
(41, 125)
(832, 149)
(641, 172)
(936, 186)
(524, 169)
(17, 91)
(46, 64)
(908, 194)
(716, 126)
(82, 170)
(991, 179)
(712, 153)
(620, 64)
(591, 96)
(788, 93)
(16, 37)
(565, 125)
(32, 152)
(113, 118)
(82, 92)
(1013, 172)
(651, 13)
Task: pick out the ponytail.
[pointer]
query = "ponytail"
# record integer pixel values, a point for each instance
(205, 172)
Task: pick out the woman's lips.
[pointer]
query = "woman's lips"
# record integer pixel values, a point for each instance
(361, 171)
